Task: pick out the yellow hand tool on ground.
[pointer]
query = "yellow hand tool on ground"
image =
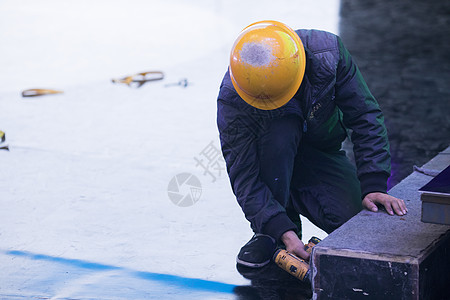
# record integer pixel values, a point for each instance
(140, 78)
(39, 92)
(3, 145)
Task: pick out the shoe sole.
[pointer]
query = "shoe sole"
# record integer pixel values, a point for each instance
(252, 265)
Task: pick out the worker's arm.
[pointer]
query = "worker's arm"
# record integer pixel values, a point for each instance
(239, 140)
(362, 114)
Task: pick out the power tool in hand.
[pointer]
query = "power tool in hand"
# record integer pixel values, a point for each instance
(294, 265)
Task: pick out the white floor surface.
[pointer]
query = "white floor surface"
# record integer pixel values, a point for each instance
(85, 211)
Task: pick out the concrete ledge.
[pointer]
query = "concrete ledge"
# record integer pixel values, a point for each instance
(375, 255)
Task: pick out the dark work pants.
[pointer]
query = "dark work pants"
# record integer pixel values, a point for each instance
(318, 184)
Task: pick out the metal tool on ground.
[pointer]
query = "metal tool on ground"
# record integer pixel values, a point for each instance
(182, 82)
(140, 79)
(39, 92)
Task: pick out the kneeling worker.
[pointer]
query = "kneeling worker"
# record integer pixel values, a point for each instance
(286, 104)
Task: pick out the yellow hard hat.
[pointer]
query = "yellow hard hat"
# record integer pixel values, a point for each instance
(267, 64)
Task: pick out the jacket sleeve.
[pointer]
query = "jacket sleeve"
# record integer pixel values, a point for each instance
(362, 114)
(238, 137)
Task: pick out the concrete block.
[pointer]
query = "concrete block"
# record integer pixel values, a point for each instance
(377, 256)
(436, 210)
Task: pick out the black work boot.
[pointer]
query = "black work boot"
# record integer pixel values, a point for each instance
(257, 252)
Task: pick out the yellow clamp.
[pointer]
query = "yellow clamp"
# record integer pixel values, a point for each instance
(2, 140)
(39, 92)
(140, 78)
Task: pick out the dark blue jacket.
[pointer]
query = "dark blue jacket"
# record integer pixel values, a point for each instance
(332, 99)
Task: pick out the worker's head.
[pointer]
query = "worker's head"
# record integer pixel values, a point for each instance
(267, 64)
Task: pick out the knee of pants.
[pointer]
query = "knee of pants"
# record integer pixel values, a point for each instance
(325, 211)
(331, 221)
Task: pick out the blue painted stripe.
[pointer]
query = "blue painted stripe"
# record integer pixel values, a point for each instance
(174, 280)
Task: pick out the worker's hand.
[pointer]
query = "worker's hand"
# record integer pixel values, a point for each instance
(389, 202)
(294, 245)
